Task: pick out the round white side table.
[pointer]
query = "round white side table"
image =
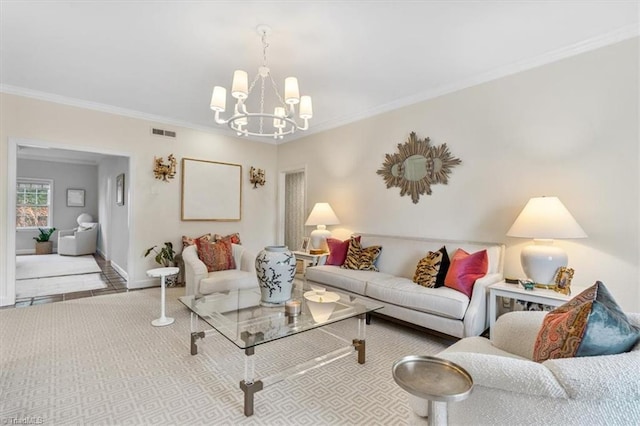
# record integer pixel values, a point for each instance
(162, 273)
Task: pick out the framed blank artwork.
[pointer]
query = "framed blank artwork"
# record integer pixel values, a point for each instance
(211, 190)
(75, 197)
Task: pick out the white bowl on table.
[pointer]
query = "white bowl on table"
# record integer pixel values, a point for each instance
(321, 304)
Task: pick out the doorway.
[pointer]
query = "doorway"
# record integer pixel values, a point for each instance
(292, 207)
(107, 163)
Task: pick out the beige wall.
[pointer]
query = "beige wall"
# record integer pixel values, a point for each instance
(155, 206)
(568, 129)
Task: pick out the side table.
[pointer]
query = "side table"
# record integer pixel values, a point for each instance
(516, 292)
(313, 259)
(437, 380)
(162, 273)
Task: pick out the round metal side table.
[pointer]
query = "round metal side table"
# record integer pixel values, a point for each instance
(435, 379)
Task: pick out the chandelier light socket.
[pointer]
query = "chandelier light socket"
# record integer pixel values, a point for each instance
(306, 108)
(240, 86)
(278, 123)
(291, 91)
(219, 99)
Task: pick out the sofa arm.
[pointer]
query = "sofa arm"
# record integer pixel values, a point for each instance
(475, 319)
(602, 377)
(516, 332)
(247, 261)
(194, 270)
(509, 374)
(66, 232)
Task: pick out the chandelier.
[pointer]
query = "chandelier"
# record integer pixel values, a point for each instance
(276, 124)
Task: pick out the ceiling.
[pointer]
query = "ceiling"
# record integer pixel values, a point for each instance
(160, 60)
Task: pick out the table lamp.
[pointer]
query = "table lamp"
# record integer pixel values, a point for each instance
(321, 216)
(544, 219)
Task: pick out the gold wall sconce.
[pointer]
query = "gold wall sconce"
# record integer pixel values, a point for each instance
(256, 177)
(165, 171)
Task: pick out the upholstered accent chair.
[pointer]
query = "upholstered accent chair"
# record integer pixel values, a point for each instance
(81, 240)
(510, 388)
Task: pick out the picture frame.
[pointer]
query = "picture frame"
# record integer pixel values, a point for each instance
(75, 197)
(563, 279)
(120, 189)
(305, 244)
(211, 191)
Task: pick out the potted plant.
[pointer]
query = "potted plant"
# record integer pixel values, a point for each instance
(164, 256)
(43, 245)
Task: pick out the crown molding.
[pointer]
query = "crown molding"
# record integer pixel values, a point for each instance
(621, 34)
(624, 33)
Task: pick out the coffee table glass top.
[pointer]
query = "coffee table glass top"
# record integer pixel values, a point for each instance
(239, 317)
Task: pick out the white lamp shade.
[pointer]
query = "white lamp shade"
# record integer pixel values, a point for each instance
(240, 85)
(306, 108)
(291, 91)
(544, 219)
(321, 215)
(219, 99)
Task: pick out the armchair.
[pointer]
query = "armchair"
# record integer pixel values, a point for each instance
(78, 241)
(509, 388)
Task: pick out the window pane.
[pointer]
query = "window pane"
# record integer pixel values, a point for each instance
(33, 204)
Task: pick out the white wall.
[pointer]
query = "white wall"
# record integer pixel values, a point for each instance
(64, 176)
(568, 129)
(154, 206)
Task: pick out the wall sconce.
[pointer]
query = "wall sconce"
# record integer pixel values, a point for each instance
(165, 171)
(256, 177)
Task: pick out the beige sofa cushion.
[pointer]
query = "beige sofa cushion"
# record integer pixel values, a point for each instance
(345, 279)
(400, 291)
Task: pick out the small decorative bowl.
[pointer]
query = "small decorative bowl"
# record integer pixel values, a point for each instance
(527, 284)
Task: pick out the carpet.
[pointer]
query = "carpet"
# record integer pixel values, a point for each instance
(53, 265)
(36, 287)
(98, 360)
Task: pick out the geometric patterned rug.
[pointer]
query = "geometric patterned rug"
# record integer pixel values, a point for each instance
(98, 360)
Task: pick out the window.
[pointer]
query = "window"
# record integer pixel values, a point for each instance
(34, 203)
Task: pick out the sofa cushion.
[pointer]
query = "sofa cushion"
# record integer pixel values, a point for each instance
(590, 324)
(361, 258)
(337, 251)
(400, 291)
(345, 279)
(232, 279)
(232, 238)
(465, 269)
(427, 269)
(218, 256)
(445, 264)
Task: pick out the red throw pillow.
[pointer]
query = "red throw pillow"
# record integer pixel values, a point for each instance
(337, 251)
(465, 269)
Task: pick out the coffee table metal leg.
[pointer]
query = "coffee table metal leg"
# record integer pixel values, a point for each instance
(248, 385)
(194, 338)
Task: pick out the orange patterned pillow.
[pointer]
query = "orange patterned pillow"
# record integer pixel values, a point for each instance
(233, 238)
(190, 241)
(218, 256)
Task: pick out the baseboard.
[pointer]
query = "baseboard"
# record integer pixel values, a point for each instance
(123, 273)
(25, 251)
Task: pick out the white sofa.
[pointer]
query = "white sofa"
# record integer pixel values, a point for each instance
(511, 389)
(198, 281)
(442, 309)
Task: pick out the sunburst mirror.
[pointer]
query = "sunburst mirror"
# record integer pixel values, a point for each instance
(416, 166)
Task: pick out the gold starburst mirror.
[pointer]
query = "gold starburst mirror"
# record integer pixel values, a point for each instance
(416, 166)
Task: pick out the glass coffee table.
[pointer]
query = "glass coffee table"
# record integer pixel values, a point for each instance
(239, 317)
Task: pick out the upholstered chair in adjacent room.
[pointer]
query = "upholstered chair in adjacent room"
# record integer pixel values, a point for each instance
(81, 240)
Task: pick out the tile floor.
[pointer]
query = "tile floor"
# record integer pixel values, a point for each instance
(114, 284)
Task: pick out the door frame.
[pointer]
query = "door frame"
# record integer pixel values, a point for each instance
(8, 293)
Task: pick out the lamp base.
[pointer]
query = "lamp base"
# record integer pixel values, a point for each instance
(541, 260)
(319, 238)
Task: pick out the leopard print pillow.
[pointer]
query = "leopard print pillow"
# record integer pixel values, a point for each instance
(427, 269)
(359, 258)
